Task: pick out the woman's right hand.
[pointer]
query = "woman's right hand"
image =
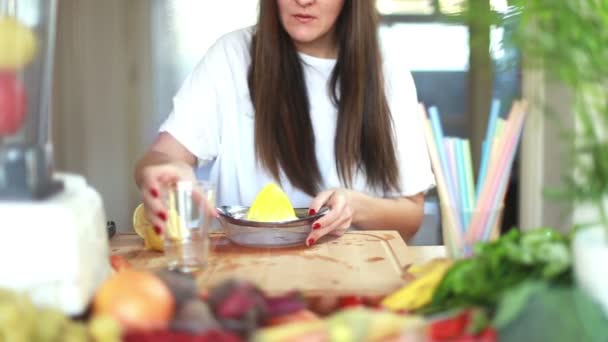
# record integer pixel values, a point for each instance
(155, 179)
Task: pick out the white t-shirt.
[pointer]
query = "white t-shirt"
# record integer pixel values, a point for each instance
(213, 118)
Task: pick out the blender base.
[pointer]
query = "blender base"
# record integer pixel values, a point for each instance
(26, 173)
(56, 250)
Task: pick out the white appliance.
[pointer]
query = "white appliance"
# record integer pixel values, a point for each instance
(56, 250)
(53, 239)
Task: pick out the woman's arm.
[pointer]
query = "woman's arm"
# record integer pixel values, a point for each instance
(166, 161)
(404, 214)
(349, 207)
(165, 150)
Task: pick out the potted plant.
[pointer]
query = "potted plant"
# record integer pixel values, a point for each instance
(569, 40)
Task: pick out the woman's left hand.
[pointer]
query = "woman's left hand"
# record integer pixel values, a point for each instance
(337, 220)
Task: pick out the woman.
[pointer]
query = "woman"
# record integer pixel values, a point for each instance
(304, 99)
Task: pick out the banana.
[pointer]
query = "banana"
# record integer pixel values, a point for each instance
(420, 291)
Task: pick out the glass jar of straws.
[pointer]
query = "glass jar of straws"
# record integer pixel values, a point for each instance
(463, 227)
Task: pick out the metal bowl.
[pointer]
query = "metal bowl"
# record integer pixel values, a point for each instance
(266, 234)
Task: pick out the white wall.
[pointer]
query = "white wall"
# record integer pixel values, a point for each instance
(118, 64)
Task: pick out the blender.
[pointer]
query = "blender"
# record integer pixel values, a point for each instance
(54, 240)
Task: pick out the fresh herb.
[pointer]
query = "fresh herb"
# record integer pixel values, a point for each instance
(540, 254)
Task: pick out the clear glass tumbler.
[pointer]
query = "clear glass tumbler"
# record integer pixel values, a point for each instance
(186, 235)
(456, 235)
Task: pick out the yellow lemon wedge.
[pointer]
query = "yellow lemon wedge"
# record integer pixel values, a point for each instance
(271, 205)
(177, 228)
(17, 44)
(145, 230)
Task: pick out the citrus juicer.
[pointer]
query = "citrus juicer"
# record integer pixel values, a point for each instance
(55, 245)
(270, 222)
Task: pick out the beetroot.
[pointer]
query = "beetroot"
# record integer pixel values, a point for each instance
(239, 306)
(285, 305)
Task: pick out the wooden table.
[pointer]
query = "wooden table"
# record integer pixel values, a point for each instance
(368, 263)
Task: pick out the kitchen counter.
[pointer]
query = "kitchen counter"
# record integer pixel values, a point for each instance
(367, 263)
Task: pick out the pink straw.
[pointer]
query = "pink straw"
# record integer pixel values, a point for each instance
(500, 166)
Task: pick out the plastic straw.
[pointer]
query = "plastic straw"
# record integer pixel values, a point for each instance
(468, 163)
(500, 126)
(450, 153)
(499, 196)
(483, 203)
(462, 184)
(482, 166)
(505, 150)
(485, 157)
(454, 236)
(438, 134)
(452, 171)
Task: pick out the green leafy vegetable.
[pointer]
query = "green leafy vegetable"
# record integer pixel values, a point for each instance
(541, 254)
(538, 311)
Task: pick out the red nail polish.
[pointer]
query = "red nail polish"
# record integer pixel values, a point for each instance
(316, 225)
(162, 216)
(154, 193)
(157, 230)
(311, 241)
(311, 212)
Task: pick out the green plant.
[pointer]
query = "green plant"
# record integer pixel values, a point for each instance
(569, 40)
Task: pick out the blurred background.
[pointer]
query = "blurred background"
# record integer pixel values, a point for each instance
(119, 63)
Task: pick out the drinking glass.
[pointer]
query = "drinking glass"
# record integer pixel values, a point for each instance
(456, 238)
(186, 235)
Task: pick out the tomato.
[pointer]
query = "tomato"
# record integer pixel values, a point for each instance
(454, 329)
(350, 301)
(12, 104)
(449, 329)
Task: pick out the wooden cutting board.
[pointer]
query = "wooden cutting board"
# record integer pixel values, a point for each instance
(369, 263)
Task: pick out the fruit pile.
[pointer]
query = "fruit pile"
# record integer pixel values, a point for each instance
(21, 320)
(146, 306)
(151, 306)
(18, 48)
(167, 306)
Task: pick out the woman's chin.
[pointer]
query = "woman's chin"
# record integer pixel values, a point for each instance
(304, 36)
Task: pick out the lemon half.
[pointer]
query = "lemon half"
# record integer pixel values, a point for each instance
(145, 230)
(271, 205)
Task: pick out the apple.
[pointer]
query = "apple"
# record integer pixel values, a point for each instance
(12, 103)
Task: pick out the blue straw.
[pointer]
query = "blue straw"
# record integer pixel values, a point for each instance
(486, 147)
(462, 181)
(438, 133)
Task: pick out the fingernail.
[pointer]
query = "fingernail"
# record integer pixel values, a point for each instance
(162, 216)
(311, 212)
(157, 230)
(311, 242)
(316, 225)
(154, 193)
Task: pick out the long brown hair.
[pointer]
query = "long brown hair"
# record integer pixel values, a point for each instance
(284, 137)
